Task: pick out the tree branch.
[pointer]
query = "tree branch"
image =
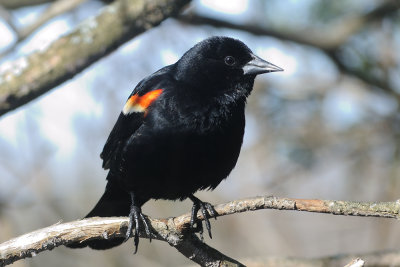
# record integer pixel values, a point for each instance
(176, 231)
(8, 18)
(355, 263)
(56, 8)
(32, 76)
(13, 4)
(326, 39)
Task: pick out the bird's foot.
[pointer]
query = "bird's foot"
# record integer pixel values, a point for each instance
(207, 210)
(135, 216)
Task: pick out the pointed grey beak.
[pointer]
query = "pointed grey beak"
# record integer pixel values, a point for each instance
(258, 65)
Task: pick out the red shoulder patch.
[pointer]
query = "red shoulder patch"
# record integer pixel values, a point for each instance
(138, 103)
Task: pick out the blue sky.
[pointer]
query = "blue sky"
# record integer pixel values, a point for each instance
(55, 114)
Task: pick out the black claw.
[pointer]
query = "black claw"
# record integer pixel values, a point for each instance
(193, 217)
(136, 238)
(206, 210)
(195, 224)
(128, 233)
(135, 215)
(211, 210)
(146, 226)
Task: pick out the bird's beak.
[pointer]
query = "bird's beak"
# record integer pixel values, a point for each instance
(258, 65)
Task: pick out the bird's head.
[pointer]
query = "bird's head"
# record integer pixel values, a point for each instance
(222, 63)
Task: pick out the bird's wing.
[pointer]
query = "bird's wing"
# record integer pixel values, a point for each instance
(132, 115)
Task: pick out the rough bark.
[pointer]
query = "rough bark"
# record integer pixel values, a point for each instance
(32, 76)
(176, 232)
(13, 4)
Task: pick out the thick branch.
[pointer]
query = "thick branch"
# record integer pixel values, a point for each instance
(12, 4)
(56, 8)
(176, 232)
(196, 250)
(32, 76)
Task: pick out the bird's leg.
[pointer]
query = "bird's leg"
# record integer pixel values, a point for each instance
(193, 220)
(206, 210)
(135, 215)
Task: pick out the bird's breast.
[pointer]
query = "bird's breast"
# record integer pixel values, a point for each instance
(197, 154)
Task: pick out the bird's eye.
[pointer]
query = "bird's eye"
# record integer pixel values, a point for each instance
(229, 60)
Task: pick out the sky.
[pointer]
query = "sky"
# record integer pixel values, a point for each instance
(56, 112)
(55, 120)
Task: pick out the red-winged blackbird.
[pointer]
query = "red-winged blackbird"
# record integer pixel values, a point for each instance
(180, 131)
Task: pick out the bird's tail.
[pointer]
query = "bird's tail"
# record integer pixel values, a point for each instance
(114, 202)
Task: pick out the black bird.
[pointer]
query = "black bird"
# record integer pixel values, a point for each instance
(180, 131)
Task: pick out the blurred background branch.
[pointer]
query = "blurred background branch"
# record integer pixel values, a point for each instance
(13, 4)
(32, 76)
(56, 8)
(330, 39)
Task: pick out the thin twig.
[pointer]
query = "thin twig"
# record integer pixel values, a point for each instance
(8, 18)
(57, 8)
